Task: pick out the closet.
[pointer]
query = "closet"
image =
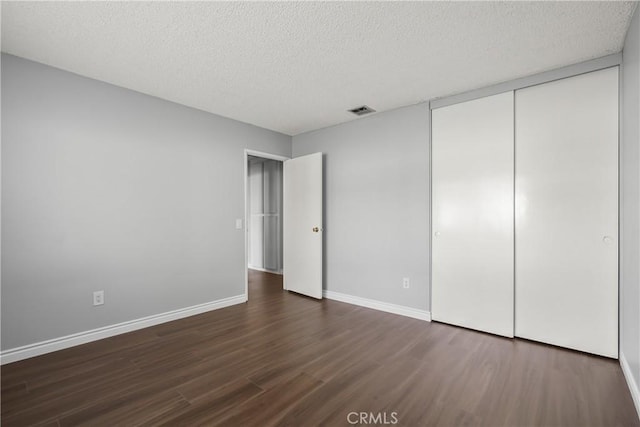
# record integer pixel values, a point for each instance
(265, 219)
(557, 209)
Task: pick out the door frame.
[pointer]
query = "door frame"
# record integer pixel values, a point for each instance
(264, 155)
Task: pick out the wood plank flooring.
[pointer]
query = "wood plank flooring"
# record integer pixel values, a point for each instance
(284, 359)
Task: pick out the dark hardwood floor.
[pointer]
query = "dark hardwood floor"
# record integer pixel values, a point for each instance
(283, 359)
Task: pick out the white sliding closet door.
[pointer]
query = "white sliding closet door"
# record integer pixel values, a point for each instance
(567, 212)
(472, 206)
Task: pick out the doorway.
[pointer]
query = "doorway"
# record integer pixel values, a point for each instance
(263, 221)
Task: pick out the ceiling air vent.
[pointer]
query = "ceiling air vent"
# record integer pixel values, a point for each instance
(362, 110)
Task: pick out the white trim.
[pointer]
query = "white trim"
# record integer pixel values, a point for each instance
(266, 270)
(532, 80)
(631, 382)
(55, 344)
(266, 155)
(246, 219)
(379, 305)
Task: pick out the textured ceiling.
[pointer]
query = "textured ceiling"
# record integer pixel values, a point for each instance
(298, 66)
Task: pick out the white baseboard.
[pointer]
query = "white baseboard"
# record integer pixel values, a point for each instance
(379, 305)
(631, 382)
(265, 270)
(43, 347)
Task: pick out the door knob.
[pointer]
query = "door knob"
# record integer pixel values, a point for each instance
(315, 229)
(437, 233)
(607, 239)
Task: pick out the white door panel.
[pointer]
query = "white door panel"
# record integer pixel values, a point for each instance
(567, 212)
(303, 225)
(256, 242)
(271, 249)
(472, 245)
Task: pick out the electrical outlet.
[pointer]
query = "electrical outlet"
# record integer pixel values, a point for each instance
(405, 282)
(98, 298)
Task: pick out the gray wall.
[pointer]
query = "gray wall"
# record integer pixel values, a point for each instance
(376, 205)
(106, 188)
(630, 199)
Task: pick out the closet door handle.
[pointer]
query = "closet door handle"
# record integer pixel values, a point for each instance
(607, 239)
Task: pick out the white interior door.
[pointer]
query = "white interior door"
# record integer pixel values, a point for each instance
(303, 225)
(472, 208)
(567, 212)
